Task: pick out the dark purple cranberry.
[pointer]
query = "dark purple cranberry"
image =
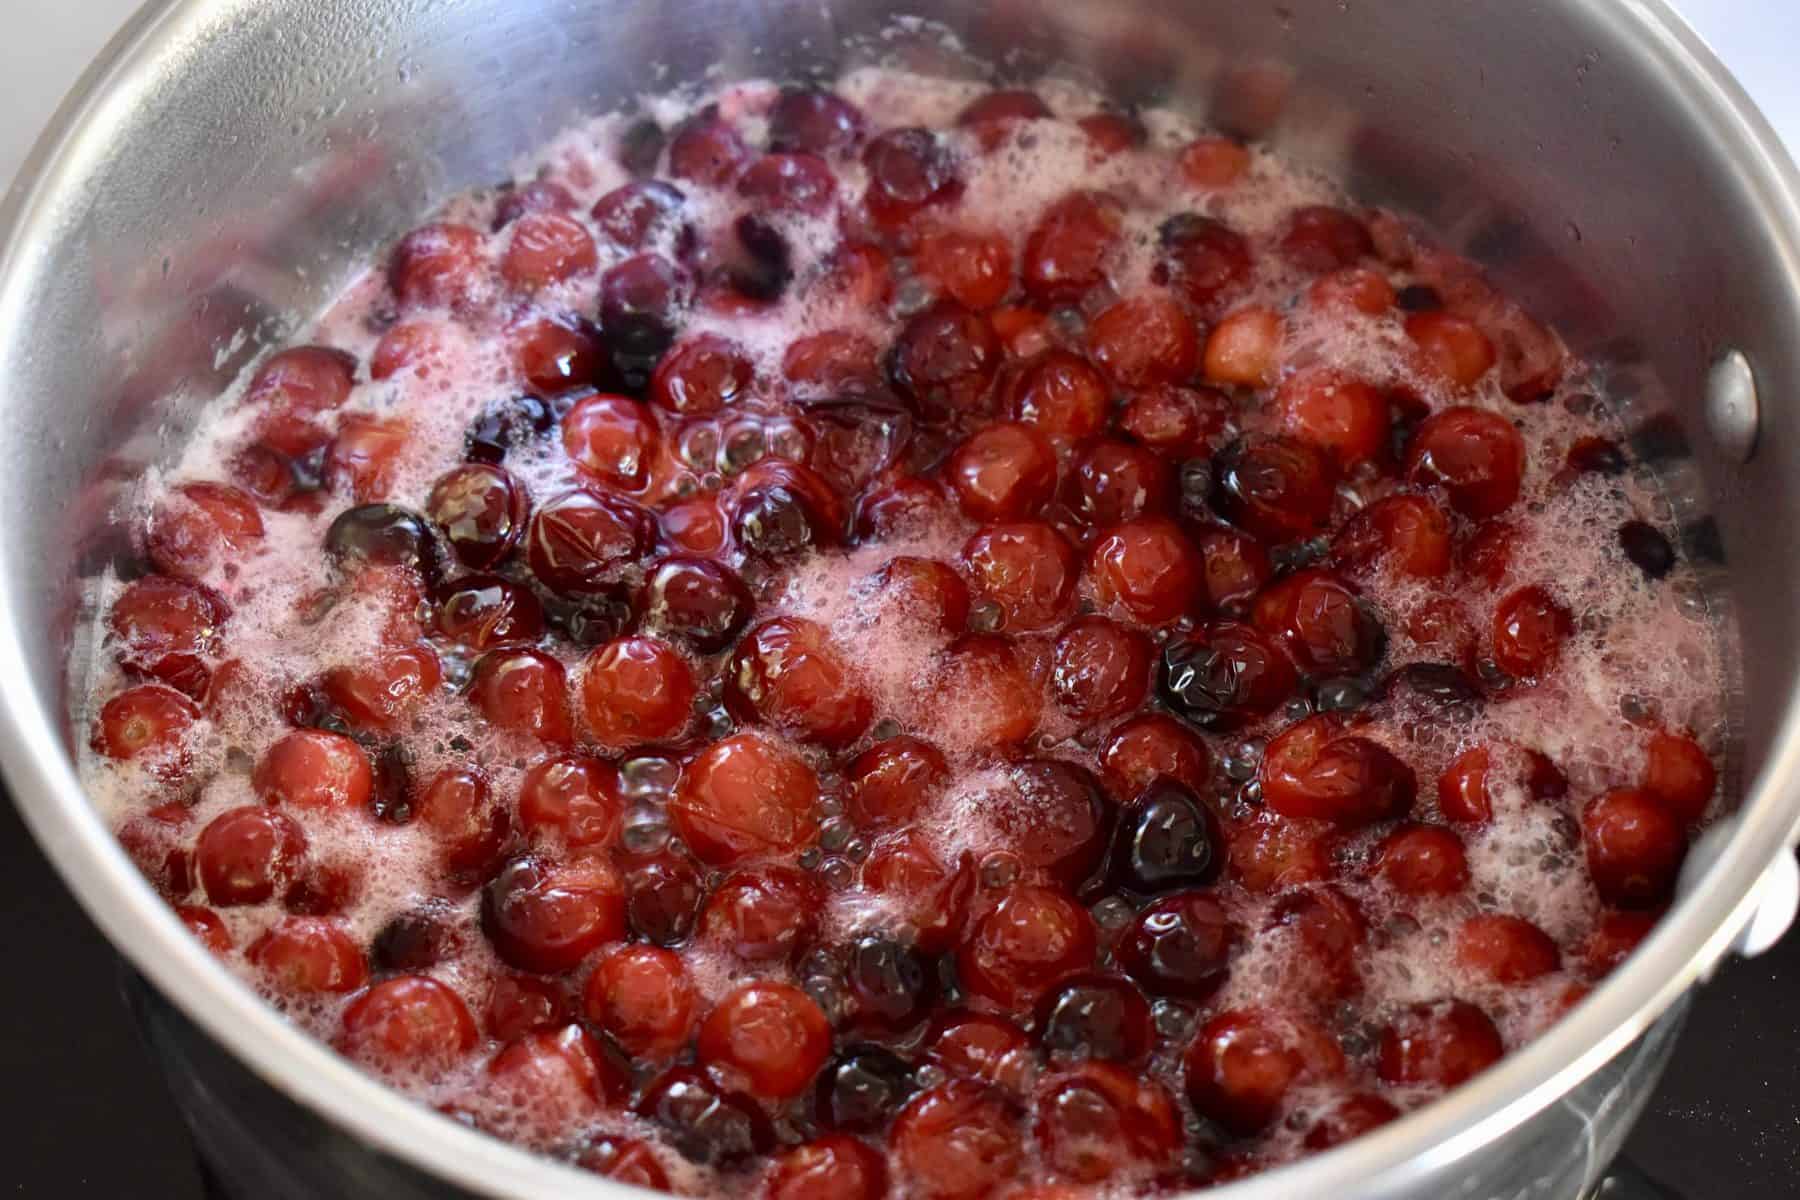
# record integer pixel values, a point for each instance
(662, 898)
(640, 146)
(1647, 548)
(706, 1122)
(1418, 297)
(1227, 677)
(1598, 456)
(1167, 838)
(382, 535)
(391, 796)
(764, 264)
(540, 195)
(577, 541)
(640, 305)
(1095, 1016)
(697, 600)
(481, 510)
(814, 121)
(1436, 683)
(1062, 821)
(505, 424)
(891, 984)
(776, 520)
(594, 618)
(417, 939)
(862, 1088)
(485, 611)
(1180, 946)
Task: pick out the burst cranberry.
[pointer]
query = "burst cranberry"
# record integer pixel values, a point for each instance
(1352, 289)
(745, 795)
(201, 526)
(1476, 456)
(1061, 395)
(1269, 851)
(312, 769)
(437, 265)
(945, 358)
(1203, 259)
(1319, 238)
(904, 872)
(1336, 412)
(244, 854)
(612, 438)
(149, 722)
(1102, 670)
(785, 508)
(1112, 133)
(1408, 535)
(815, 121)
(1439, 1044)
(1026, 569)
(1097, 1120)
(547, 916)
(555, 355)
(1322, 622)
(1678, 772)
(634, 690)
(889, 783)
(1148, 570)
(576, 542)
(1462, 788)
(632, 215)
(1072, 246)
(1176, 421)
(1245, 1063)
(697, 600)
(625, 1160)
(1423, 860)
(308, 955)
(385, 689)
(773, 1034)
(1277, 488)
(788, 674)
(408, 1022)
(958, 1141)
(1022, 945)
(642, 998)
(364, 457)
(166, 629)
(1115, 482)
(482, 511)
(979, 1047)
(1349, 1118)
(458, 811)
(1326, 930)
(523, 691)
(1529, 630)
(1451, 347)
(1181, 947)
(1634, 845)
(1145, 340)
(1237, 567)
(1245, 348)
(481, 612)
(1506, 949)
(1314, 770)
(973, 269)
(1226, 675)
(704, 1121)
(1151, 747)
(556, 1077)
(206, 925)
(764, 915)
(908, 170)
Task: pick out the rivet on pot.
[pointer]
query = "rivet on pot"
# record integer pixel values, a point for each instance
(1733, 414)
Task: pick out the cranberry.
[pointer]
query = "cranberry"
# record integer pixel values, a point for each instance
(612, 438)
(1488, 554)
(1212, 163)
(1277, 488)
(1349, 1118)
(1004, 472)
(634, 690)
(1505, 949)
(1180, 946)
(1057, 819)
(1095, 1016)
(997, 702)
(946, 358)
(973, 269)
(1026, 569)
(1101, 669)
(577, 541)
(1408, 535)
(156, 841)
(979, 1047)
(1146, 569)
(244, 854)
(745, 795)
(788, 674)
(458, 810)
(538, 196)
(1529, 630)
(523, 691)
(773, 1034)
(1022, 945)
(702, 375)
(1226, 675)
(707, 150)
(1097, 1120)
(835, 361)
(704, 1121)
(1151, 747)
(957, 1141)
(1245, 1063)
(416, 347)
(482, 512)
(555, 355)
(891, 984)
(907, 507)
(1353, 289)
(410, 1021)
(1597, 456)
(1176, 421)
(910, 879)
(1245, 348)
(642, 998)
(1059, 394)
(437, 265)
(1322, 621)
(908, 170)
(635, 214)
(625, 1160)
(574, 797)
(1336, 412)
(1678, 772)
(1203, 259)
(1237, 567)
(1115, 482)
(834, 1167)
(201, 526)
(504, 425)
(547, 248)
(697, 600)
(1423, 860)
(924, 592)
(1450, 347)
(890, 782)
(764, 915)
(800, 183)
(862, 1088)
(640, 299)
(308, 955)
(814, 121)
(556, 1076)
(1315, 770)
(1647, 548)
(1439, 1044)
(1145, 340)
(695, 526)
(1326, 930)
(418, 938)
(1635, 847)
(166, 629)
(481, 612)
(1269, 851)
(1071, 248)
(206, 925)
(1614, 938)
(785, 508)
(383, 690)
(312, 769)
(381, 535)
(547, 916)
(363, 456)
(1166, 838)
(303, 381)
(992, 114)
(1112, 133)
(662, 897)
(1476, 456)
(1319, 238)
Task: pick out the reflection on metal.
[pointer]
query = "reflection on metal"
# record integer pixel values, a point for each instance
(1733, 415)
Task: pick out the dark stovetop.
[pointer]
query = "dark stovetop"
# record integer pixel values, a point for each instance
(84, 1113)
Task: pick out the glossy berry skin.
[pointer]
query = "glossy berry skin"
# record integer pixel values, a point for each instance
(891, 781)
(147, 723)
(1474, 455)
(642, 998)
(696, 600)
(1277, 488)
(1153, 746)
(557, 1076)
(1423, 860)
(1100, 669)
(1098, 1120)
(946, 359)
(1321, 621)
(774, 1034)
(313, 769)
(788, 674)
(745, 795)
(1441, 1044)
(245, 854)
(1205, 260)
(1033, 936)
(457, 809)
(1181, 946)
(481, 612)
(1634, 845)
(1026, 569)
(437, 265)
(1319, 238)
(572, 800)
(1678, 772)
(1404, 534)
(408, 1022)
(308, 956)
(816, 122)
(909, 170)
(384, 691)
(1506, 949)
(1166, 838)
(577, 541)
(1059, 394)
(763, 914)
(1342, 415)
(862, 1088)
(1095, 1016)
(1226, 674)
(1144, 340)
(612, 438)
(1244, 1063)
(1114, 482)
(1147, 570)
(1055, 818)
(524, 692)
(634, 690)
(834, 1167)
(1530, 627)
(980, 1047)
(1070, 248)
(957, 1141)
(704, 1121)
(662, 897)
(166, 629)
(1315, 770)
(202, 526)
(1003, 473)
(1451, 348)
(546, 916)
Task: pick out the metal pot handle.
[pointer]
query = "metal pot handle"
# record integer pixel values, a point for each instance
(1626, 1182)
(1778, 892)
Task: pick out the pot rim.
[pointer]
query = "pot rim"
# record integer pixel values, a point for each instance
(1697, 932)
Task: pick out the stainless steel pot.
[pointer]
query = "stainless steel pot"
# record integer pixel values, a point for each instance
(227, 162)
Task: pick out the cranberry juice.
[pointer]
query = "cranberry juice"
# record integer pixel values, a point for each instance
(912, 639)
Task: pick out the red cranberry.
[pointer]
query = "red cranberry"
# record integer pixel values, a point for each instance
(1114, 482)
(991, 115)
(457, 808)
(635, 214)
(573, 797)
(1269, 851)
(1635, 846)
(1095, 1016)
(1488, 553)
(697, 600)
(1226, 675)
(1112, 133)
(923, 591)
(800, 183)
(1275, 487)
(662, 897)
(1322, 621)
(555, 355)
(408, 1022)
(946, 358)
(1022, 945)
(1529, 630)
(773, 1034)
(1203, 259)
(834, 1167)
(1439, 1044)
(973, 269)
(1614, 938)
(547, 248)
(1023, 332)
(1004, 472)
(1101, 669)
(1026, 569)
(1180, 946)
(246, 853)
(546, 916)
(835, 361)
(1155, 746)
(763, 915)
(1423, 860)
(634, 690)
(1213, 163)
(1147, 569)
(1176, 421)
(1245, 348)
(993, 700)
(1340, 414)
(1348, 1119)
(1319, 238)
(861, 275)
(437, 265)
(704, 1121)
(1327, 930)
(909, 506)
(417, 347)
(1408, 535)
(702, 375)
(889, 783)
(166, 629)
(745, 795)
(707, 150)
(1507, 950)
(933, 900)
(364, 456)
(1166, 838)
(788, 674)
(1097, 1121)
(1145, 340)
(980, 1048)
(481, 612)
(206, 925)
(958, 1141)
(522, 1004)
(908, 170)
(482, 512)
(523, 691)
(641, 997)
(1061, 395)
(1597, 456)
(1476, 456)
(1071, 247)
(625, 1160)
(540, 195)
(1451, 347)
(201, 526)
(1678, 772)
(1352, 289)
(696, 526)
(815, 121)
(385, 689)
(1245, 1063)
(640, 299)
(577, 541)
(1237, 567)
(1056, 821)
(784, 509)
(308, 955)
(556, 1077)
(312, 769)
(303, 381)
(1315, 770)
(612, 438)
